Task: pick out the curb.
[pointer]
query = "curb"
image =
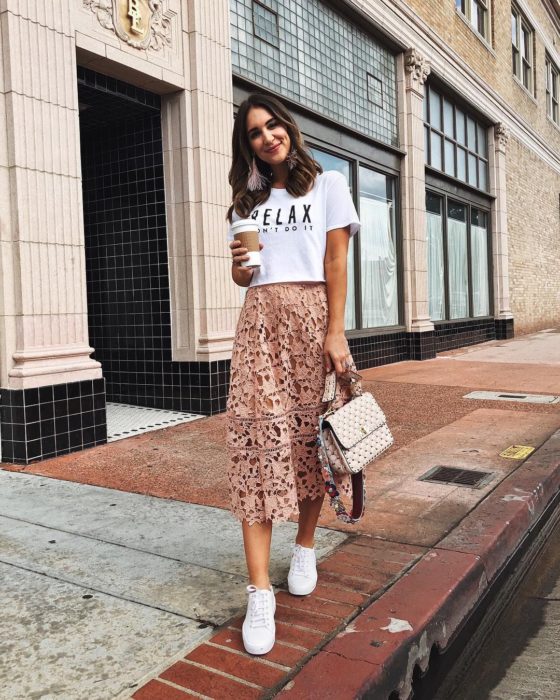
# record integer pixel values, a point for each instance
(378, 653)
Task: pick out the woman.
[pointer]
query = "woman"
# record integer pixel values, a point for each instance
(290, 333)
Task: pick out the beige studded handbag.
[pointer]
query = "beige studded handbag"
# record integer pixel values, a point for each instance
(349, 439)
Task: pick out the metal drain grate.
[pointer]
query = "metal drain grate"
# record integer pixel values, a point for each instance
(511, 396)
(458, 477)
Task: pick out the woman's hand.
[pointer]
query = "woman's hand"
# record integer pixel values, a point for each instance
(336, 353)
(241, 275)
(239, 254)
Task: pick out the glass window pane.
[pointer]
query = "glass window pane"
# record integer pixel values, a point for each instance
(435, 110)
(473, 169)
(378, 250)
(482, 148)
(449, 157)
(460, 119)
(482, 175)
(514, 29)
(434, 231)
(471, 134)
(457, 261)
(433, 203)
(448, 118)
(427, 144)
(461, 164)
(332, 162)
(479, 264)
(435, 143)
(526, 44)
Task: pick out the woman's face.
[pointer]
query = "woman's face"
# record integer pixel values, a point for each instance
(268, 139)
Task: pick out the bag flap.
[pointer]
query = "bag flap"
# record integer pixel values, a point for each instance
(356, 420)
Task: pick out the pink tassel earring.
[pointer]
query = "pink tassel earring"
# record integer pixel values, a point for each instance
(291, 159)
(256, 180)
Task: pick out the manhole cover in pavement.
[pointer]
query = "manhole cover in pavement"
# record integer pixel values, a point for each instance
(454, 476)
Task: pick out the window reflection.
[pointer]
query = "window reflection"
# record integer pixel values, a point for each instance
(378, 250)
(332, 162)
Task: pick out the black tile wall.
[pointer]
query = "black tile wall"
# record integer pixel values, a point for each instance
(422, 345)
(126, 254)
(457, 334)
(504, 328)
(381, 349)
(36, 424)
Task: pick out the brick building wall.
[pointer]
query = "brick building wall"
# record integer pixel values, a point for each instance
(533, 186)
(534, 240)
(493, 62)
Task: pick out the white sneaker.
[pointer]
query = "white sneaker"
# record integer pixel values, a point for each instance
(259, 630)
(302, 578)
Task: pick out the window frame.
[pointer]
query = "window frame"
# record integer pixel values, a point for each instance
(552, 83)
(453, 193)
(356, 161)
(523, 65)
(465, 7)
(479, 125)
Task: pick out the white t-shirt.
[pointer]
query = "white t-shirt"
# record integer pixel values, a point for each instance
(293, 230)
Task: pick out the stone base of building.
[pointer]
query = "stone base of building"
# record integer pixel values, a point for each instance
(50, 421)
(504, 328)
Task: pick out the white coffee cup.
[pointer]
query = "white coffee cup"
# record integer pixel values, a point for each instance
(247, 231)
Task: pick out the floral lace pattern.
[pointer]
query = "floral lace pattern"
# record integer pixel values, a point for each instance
(276, 384)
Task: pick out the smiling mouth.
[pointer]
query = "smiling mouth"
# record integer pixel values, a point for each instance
(274, 148)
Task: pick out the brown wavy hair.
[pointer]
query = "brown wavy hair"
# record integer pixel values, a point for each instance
(300, 179)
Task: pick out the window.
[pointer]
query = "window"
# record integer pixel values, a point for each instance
(455, 141)
(552, 90)
(522, 48)
(458, 259)
(372, 298)
(476, 11)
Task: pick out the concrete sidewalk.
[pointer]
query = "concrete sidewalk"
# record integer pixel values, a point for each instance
(404, 579)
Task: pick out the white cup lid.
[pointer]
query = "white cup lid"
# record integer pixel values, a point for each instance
(244, 225)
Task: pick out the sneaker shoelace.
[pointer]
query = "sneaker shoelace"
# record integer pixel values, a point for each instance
(259, 608)
(302, 562)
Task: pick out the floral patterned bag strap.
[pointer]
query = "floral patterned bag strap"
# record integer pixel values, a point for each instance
(358, 486)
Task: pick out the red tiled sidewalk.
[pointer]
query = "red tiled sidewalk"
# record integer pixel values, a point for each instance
(351, 578)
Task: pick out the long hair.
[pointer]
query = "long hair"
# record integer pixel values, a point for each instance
(301, 177)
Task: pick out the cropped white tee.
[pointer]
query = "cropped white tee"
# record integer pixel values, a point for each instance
(293, 230)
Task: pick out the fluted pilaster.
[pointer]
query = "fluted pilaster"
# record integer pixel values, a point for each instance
(197, 125)
(413, 72)
(43, 314)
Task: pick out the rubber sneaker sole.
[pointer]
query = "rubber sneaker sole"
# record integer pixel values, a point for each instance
(299, 589)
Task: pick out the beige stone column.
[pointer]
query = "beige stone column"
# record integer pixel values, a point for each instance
(413, 71)
(497, 144)
(43, 307)
(197, 124)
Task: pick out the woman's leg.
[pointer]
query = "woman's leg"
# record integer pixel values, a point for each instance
(309, 511)
(256, 540)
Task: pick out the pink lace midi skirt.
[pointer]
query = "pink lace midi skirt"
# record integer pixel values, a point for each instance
(276, 384)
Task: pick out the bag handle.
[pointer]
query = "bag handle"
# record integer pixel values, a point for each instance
(350, 377)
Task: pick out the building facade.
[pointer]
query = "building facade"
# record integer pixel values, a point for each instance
(443, 115)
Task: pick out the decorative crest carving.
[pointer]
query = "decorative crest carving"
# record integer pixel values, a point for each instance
(141, 23)
(501, 137)
(416, 66)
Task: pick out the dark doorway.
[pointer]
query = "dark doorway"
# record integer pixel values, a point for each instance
(125, 235)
